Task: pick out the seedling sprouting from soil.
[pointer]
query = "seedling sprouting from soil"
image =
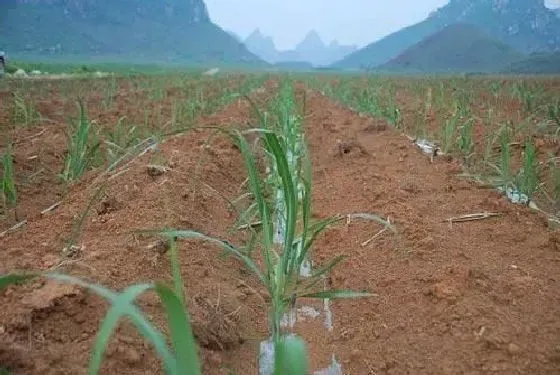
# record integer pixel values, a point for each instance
(281, 258)
(553, 115)
(110, 91)
(24, 112)
(280, 273)
(465, 140)
(9, 194)
(448, 134)
(555, 177)
(528, 176)
(504, 166)
(71, 249)
(120, 140)
(82, 147)
(182, 357)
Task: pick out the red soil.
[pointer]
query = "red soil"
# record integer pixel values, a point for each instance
(468, 298)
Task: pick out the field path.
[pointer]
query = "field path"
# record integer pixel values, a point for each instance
(476, 297)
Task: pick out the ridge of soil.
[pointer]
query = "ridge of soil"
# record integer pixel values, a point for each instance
(50, 329)
(469, 298)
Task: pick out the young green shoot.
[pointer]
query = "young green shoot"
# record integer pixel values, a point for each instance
(281, 265)
(81, 147)
(465, 140)
(9, 193)
(24, 111)
(528, 175)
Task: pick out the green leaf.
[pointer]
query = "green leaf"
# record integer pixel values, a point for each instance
(15, 279)
(290, 356)
(290, 198)
(255, 185)
(188, 234)
(308, 283)
(176, 271)
(336, 294)
(120, 305)
(181, 332)
(327, 267)
(135, 315)
(315, 229)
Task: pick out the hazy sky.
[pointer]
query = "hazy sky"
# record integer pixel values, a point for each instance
(350, 21)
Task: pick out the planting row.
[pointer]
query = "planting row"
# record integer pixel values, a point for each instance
(504, 132)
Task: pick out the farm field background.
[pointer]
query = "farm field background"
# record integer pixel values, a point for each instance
(93, 167)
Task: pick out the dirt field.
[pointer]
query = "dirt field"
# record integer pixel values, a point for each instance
(475, 297)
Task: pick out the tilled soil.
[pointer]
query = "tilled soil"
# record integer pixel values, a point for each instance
(465, 298)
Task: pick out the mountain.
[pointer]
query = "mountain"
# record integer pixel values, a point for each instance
(526, 25)
(235, 36)
(125, 30)
(339, 51)
(311, 50)
(557, 11)
(456, 48)
(262, 46)
(540, 63)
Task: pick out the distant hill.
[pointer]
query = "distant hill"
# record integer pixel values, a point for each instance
(235, 36)
(542, 63)
(526, 25)
(176, 31)
(262, 46)
(310, 50)
(456, 48)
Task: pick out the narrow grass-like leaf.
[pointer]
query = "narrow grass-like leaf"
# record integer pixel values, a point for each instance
(120, 305)
(15, 279)
(136, 316)
(317, 228)
(327, 267)
(187, 234)
(181, 332)
(274, 147)
(256, 188)
(9, 193)
(308, 283)
(176, 271)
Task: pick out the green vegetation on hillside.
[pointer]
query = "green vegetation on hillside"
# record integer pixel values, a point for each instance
(457, 48)
(542, 63)
(526, 25)
(124, 31)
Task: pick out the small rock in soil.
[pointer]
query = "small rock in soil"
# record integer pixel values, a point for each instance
(443, 291)
(514, 349)
(355, 354)
(410, 187)
(107, 205)
(129, 355)
(156, 170)
(46, 296)
(347, 146)
(427, 243)
(215, 359)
